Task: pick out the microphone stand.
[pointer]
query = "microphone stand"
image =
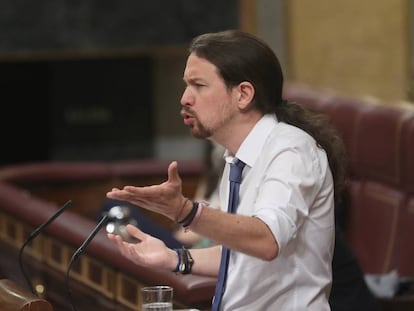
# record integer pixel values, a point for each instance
(78, 252)
(34, 234)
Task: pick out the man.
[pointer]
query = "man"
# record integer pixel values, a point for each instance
(281, 234)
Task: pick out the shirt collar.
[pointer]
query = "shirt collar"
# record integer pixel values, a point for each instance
(252, 145)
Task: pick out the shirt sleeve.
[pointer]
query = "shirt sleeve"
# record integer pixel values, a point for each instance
(291, 181)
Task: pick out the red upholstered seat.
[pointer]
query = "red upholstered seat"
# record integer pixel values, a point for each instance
(405, 239)
(345, 114)
(372, 224)
(407, 161)
(308, 96)
(380, 215)
(379, 144)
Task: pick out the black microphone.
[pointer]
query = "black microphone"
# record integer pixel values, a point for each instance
(79, 252)
(34, 234)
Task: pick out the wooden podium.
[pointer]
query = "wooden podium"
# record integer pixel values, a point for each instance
(15, 298)
(102, 277)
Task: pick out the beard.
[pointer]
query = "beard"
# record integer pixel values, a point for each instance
(198, 130)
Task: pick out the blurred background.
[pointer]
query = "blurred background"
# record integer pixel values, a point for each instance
(101, 80)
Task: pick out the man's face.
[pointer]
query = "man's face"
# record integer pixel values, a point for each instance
(207, 104)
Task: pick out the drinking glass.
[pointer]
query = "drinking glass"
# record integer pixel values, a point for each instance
(157, 298)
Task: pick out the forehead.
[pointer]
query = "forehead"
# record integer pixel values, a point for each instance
(198, 67)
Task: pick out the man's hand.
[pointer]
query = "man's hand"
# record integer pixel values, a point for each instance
(166, 198)
(149, 252)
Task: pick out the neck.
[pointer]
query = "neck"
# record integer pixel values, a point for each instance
(231, 137)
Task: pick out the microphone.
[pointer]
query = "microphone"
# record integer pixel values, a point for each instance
(34, 234)
(79, 252)
(120, 217)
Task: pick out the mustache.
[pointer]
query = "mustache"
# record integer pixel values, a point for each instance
(187, 111)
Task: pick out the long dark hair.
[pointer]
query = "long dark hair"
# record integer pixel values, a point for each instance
(239, 57)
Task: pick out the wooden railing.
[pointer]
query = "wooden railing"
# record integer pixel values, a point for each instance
(101, 276)
(16, 298)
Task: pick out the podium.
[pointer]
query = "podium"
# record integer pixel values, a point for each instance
(101, 277)
(15, 298)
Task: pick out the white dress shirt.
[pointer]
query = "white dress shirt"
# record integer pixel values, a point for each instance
(286, 183)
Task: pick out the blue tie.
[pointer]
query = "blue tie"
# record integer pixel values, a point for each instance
(235, 179)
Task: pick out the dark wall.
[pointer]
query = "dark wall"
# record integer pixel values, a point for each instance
(100, 24)
(90, 109)
(101, 109)
(71, 103)
(24, 114)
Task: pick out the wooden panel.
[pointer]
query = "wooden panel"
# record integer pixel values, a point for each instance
(356, 47)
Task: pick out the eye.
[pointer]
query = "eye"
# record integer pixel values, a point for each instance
(195, 84)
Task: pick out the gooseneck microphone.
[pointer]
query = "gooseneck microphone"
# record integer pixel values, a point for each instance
(79, 251)
(34, 234)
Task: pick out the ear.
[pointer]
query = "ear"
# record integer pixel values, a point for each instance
(244, 95)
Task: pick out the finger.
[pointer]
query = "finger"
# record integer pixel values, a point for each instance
(111, 236)
(124, 195)
(135, 232)
(118, 242)
(132, 253)
(116, 239)
(173, 175)
(113, 192)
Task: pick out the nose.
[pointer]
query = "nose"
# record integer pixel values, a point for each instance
(186, 99)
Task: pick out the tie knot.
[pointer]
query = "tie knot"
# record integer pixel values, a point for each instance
(236, 169)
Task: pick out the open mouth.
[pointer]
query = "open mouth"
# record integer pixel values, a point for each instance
(188, 118)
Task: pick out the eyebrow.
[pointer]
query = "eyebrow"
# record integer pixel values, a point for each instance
(194, 80)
